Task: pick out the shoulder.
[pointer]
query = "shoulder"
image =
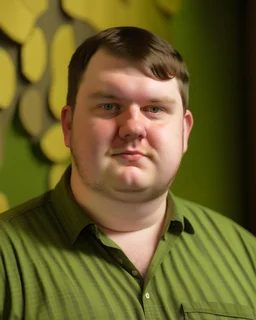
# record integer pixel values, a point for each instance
(24, 229)
(218, 230)
(25, 212)
(201, 216)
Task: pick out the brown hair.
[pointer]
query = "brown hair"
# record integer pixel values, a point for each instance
(135, 44)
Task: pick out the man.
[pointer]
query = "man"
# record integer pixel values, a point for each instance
(110, 242)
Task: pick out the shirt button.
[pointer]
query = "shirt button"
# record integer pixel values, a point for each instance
(120, 261)
(135, 272)
(147, 295)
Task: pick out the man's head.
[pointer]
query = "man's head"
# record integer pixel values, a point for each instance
(130, 126)
(133, 44)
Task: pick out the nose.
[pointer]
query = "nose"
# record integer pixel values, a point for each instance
(132, 126)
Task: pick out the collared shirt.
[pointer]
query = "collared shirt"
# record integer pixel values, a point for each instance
(56, 264)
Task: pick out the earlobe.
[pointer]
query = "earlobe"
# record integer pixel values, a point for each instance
(66, 122)
(188, 124)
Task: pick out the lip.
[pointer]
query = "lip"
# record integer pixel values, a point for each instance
(130, 155)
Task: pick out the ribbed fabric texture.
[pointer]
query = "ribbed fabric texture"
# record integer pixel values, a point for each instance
(56, 264)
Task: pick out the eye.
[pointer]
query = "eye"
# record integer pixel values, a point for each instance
(154, 109)
(110, 107)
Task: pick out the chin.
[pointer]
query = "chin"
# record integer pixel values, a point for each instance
(130, 182)
(131, 188)
(132, 176)
(133, 185)
(135, 194)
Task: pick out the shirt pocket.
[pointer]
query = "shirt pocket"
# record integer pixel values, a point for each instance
(216, 311)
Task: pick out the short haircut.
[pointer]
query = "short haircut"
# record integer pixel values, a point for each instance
(134, 44)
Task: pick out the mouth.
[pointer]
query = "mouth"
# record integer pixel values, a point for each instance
(130, 155)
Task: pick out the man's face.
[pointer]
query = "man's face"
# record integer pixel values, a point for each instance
(128, 131)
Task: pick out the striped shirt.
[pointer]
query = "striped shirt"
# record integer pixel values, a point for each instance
(56, 264)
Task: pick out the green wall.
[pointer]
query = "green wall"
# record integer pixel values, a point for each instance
(207, 33)
(23, 175)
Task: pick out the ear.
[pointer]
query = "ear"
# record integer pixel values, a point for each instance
(187, 127)
(66, 122)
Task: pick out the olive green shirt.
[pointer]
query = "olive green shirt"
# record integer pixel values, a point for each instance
(56, 264)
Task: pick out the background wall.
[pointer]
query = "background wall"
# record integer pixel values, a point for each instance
(210, 37)
(207, 35)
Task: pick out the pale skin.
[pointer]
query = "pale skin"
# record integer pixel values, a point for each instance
(127, 137)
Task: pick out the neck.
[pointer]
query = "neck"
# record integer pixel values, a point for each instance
(119, 215)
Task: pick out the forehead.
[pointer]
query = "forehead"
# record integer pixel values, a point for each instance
(125, 78)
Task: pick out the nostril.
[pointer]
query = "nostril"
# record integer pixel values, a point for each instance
(132, 130)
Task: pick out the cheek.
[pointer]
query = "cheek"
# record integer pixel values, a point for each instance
(166, 137)
(102, 132)
(94, 135)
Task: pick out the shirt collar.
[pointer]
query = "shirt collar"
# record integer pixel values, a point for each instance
(74, 219)
(178, 222)
(71, 216)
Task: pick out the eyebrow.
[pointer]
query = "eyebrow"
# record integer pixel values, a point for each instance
(112, 96)
(163, 100)
(102, 94)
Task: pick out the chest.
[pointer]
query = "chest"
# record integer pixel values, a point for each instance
(140, 255)
(88, 284)
(139, 249)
